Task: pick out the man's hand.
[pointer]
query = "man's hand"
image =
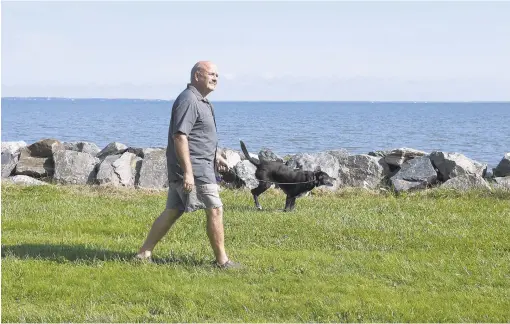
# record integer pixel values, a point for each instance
(221, 164)
(188, 182)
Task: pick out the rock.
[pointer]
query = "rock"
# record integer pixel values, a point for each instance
(13, 147)
(363, 171)
(232, 157)
(398, 156)
(245, 171)
(118, 170)
(153, 171)
(417, 173)
(72, 167)
(36, 167)
(83, 147)
(105, 172)
(26, 180)
(9, 161)
(502, 182)
(138, 167)
(125, 168)
(36, 160)
(45, 148)
(465, 182)
(451, 165)
(268, 155)
(140, 152)
(113, 148)
(503, 168)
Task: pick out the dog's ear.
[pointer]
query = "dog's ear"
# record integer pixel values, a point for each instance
(318, 169)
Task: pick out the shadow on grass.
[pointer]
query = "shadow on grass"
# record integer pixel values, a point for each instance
(81, 253)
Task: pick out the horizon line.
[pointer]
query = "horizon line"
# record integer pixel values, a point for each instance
(281, 100)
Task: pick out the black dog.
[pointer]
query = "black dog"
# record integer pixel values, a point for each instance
(294, 183)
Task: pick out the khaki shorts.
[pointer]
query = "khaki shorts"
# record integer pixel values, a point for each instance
(203, 196)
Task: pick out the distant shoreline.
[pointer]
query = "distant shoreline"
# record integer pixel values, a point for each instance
(262, 101)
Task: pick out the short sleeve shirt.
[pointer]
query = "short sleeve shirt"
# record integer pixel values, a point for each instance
(193, 115)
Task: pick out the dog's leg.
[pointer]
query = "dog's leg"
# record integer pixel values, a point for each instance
(292, 203)
(289, 203)
(256, 192)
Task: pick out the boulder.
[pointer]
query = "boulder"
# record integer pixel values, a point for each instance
(363, 171)
(36, 167)
(269, 155)
(45, 148)
(118, 170)
(465, 182)
(417, 173)
(113, 148)
(153, 171)
(140, 152)
(72, 167)
(26, 180)
(83, 147)
(396, 157)
(245, 171)
(451, 165)
(9, 161)
(13, 147)
(503, 168)
(502, 182)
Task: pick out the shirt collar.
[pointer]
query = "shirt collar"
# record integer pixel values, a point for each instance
(197, 94)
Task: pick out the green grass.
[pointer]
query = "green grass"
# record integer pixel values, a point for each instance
(353, 256)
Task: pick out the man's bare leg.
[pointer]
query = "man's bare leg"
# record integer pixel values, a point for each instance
(215, 232)
(159, 228)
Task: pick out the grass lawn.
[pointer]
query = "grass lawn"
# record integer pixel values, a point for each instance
(352, 256)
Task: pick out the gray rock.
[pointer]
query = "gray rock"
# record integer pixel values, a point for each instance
(118, 170)
(9, 161)
(25, 180)
(73, 167)
(125, 168)
(105, 171)
(398, 156)
(466, 182)
(503, 168)
(36, 167)
(417, 173)
(113, 148)
(232, 157)
(140, 152)
(268, 155)
(363, 171)
(138, 167)
(245, 171)
(153, 171)
(84, 147)
(451, 165)
(13, 147)
(45, 148)
(502, 182)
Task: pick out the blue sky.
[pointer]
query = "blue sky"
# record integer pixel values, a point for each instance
(422, 51)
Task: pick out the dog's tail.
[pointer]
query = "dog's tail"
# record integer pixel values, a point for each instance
(248, 156)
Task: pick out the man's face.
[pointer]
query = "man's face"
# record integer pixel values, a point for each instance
(208, 77)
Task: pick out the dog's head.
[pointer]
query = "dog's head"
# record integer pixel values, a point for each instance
(322, 178)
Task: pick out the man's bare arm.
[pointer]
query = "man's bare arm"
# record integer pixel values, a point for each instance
(182, 152)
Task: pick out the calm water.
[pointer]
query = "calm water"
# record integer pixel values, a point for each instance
(481, 131)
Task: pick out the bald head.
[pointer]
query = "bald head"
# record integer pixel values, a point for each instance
(204, 77)
(201, 66)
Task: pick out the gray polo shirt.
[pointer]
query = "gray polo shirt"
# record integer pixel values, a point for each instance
(193, 115)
